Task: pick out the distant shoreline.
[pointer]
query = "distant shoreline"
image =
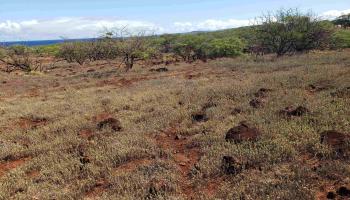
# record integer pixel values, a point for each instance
(42, 42)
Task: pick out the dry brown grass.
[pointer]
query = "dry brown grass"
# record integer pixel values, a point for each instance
(51, 148)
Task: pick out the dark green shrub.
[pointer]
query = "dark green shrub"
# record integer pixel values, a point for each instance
(74, 52)
(290, 31)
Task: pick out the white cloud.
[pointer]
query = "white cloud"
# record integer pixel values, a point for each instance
(90, 27)
(332, 14)
(210, 25)
(67, 27)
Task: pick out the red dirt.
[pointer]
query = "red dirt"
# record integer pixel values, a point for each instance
(86, 134)
(101, 117)
(33, 174)
(7, 166)
(212, 187)
(99, 187)
(132, 166)
(102, 185)
(29, 123)
(185, 158)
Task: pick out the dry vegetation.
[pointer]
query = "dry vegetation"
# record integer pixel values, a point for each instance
(98, 132)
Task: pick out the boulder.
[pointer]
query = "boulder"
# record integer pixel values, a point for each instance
(257, 103)
(242, 133)
(338, 141)
(344, 191)
(297, 112)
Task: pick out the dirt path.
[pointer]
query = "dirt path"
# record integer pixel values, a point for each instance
(185, 158)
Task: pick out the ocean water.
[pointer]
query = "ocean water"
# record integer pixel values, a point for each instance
(42, 42)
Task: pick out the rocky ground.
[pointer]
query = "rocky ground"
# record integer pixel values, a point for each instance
(225, 129)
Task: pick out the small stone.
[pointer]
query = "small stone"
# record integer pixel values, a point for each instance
(200, 117)
(113, 123)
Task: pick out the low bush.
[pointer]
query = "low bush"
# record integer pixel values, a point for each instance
(74, 52)
(19, 58)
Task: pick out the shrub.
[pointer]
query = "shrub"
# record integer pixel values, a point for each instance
(74, 52)
(227, 47)
(203, 47)
(102, 49)
(343, 21)
(341, 39)
(290, 31)
(19, 57)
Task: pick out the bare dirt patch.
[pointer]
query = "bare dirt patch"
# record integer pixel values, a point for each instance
(9, 165)
(185, 158)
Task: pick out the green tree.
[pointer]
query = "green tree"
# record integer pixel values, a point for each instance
(290, 31)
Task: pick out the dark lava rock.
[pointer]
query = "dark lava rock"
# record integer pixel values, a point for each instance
(200, 117)
(343, 191)
(236, 111)
(179, 137)
(297, 112)
(156, 188)
(262, 92)
(242, 133)
(112, 123)
(231, 165)
(331, 195)
(257, 103)
(342, 93)
(321, 85)
(162, 69)
(338, 141)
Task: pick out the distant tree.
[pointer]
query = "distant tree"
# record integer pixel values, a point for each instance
(74, 52)
(343, 21)
(290, 31)
(132, 47)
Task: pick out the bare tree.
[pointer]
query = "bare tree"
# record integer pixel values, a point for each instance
(131, 47)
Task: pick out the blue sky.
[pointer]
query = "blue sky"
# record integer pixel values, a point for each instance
(44, 19)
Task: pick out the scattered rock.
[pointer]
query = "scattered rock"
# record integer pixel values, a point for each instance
(112, 123)
(236, 111)
(331, 195)
(338, 141)
(242, 133)
(261, 93)
(4, 82)
(162, 69)
(321, 85)
(91, 70)
(231, 165)
(343, 191)
(156, 188)
(257, 103)
(200, 117)
(179, 137)
(297, 112)
(208, 105)
(342, 93)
